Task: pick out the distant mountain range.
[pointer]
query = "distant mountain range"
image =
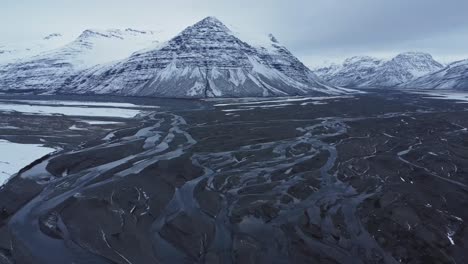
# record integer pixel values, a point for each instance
(49, 70)
(370, 72)
(205, 60)
(453, 76)
(410, 70)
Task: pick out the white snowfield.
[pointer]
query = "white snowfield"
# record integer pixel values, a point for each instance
(82, 103)
(10, 52)
(68, 110)
(14, 157)
(98, 122)
(445, 95)
(50, 69)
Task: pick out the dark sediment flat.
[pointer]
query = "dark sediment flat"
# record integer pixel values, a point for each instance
(375, 178)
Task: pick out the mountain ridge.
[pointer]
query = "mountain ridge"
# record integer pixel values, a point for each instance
(371, 72)
(453, 76)
(206, 59)
(50, 69)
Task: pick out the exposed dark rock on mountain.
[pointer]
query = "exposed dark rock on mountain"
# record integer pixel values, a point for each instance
(205, 60)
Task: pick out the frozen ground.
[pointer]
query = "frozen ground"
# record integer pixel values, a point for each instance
(14, 157)
(83, 103)
(98, 122)
(248, 104)
(445, 95)
(254, 101)
(68, 110)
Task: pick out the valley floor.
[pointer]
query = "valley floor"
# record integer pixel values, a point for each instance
(371, 178)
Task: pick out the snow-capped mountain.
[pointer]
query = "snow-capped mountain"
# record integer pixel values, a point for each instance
(369, 72)
(453, 76)
(9, 52)
(49, 70)
(352, 73)
(403, 68)
(204, 60)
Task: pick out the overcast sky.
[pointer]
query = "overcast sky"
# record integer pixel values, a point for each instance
(316, 31)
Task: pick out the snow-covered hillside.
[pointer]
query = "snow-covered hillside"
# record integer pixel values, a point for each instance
(51, 69)
(352, 73)
(369, 72)
(453, 76)
(205, 60)
(9, 52)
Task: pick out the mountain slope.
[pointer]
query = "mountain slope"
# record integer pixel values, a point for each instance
(204, 60)
(51, 69)
(352, 73)
(403, 68)
(368, 72)
(453, 76)
(9, 52)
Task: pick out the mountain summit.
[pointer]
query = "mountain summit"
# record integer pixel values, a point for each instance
(369, 72)
(204, 60)
(51, 69)
(453, 76)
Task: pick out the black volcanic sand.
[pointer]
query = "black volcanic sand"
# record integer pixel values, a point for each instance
(376, 178)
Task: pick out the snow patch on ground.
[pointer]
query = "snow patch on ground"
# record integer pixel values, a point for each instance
(74, 127)
(254, 101)
(68, 110)
(450, 235)
(246, 104)
(98, 122)
(15, 156)
(236, 110)
(445, 95)
(265, 106)
(9, 127)
(78, 103)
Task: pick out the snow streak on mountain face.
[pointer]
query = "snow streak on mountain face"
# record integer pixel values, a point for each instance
(204, 60)
(51, 69)
(369, 72)
(453, 76)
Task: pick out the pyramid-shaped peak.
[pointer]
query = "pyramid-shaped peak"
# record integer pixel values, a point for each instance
(211, 21)
(207, 26)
